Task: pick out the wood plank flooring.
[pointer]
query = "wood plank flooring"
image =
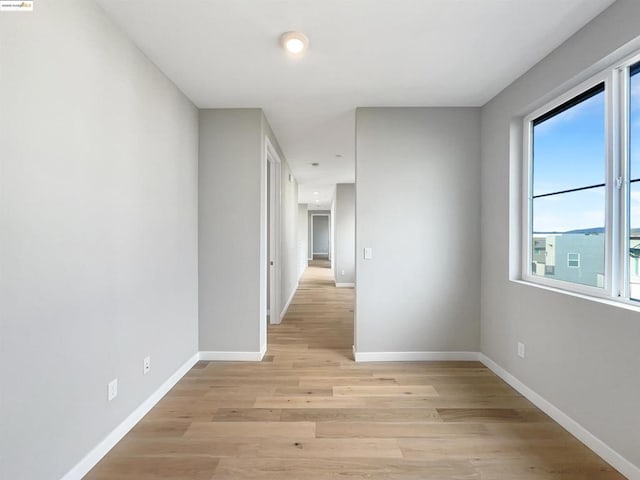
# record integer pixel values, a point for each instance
(309, 412)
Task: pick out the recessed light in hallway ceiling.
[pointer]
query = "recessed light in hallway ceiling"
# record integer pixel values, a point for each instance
(295, 43)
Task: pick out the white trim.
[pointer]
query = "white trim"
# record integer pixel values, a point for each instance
(100, 450)
(286, 306)
(213, 356)
(268, 273)
(345, 285)
(413, 356)
(607, 453)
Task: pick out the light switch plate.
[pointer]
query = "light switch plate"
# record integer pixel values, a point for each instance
(112, 389)
(368, 253)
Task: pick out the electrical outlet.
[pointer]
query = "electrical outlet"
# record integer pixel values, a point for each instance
(146, 365)
(341, 272)
(521, 349)
(112, 389)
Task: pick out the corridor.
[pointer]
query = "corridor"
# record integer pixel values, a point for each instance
(307, 411)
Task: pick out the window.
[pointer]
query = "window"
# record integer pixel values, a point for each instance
(581, 228)
(573, 260)
(633, 232)
(568, 160)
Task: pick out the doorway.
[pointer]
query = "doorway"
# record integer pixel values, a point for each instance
(320, 240)
(270, 243)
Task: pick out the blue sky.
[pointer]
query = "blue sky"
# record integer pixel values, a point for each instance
(569, 152)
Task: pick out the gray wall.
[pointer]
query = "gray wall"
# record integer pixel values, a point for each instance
(344, 234)
(332, 232)
(313, 212)
(581, 355)
(320, 226)
(303, 238)
(98, 207)
(417, 206)
(231, 152)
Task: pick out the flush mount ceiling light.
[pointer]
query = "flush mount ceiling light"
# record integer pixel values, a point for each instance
(295, 43)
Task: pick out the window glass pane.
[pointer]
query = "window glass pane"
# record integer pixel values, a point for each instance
(569, 148)
(634, 124)
(634, 188)
(568, 237)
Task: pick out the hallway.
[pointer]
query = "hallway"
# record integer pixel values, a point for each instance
(307, 411)
(318, 325)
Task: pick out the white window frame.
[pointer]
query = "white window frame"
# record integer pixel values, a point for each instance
(617, 228)
(527, 189)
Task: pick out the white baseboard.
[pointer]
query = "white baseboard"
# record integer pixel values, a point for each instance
(286, 307)
(100, 450)
(413, 356)
(607, 453)
(213, 356)
(345, 285)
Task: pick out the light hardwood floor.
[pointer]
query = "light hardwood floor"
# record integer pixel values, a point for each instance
(309, 412)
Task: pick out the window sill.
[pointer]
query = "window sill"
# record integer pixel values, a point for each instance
(634, 307)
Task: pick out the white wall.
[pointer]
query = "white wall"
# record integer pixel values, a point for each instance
(581, 355)
(344, 233)
(98, 256)
(417, 206)
(303, 238)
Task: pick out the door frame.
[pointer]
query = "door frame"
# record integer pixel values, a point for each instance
(271, 159)
(328, 215)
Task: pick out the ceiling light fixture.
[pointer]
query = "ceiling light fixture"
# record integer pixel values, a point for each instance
(316, 193)
(294, 42)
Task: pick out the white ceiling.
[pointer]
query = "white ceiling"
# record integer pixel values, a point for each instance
(225, 53)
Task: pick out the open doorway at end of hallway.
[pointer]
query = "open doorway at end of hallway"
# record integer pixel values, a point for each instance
(320, 240)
